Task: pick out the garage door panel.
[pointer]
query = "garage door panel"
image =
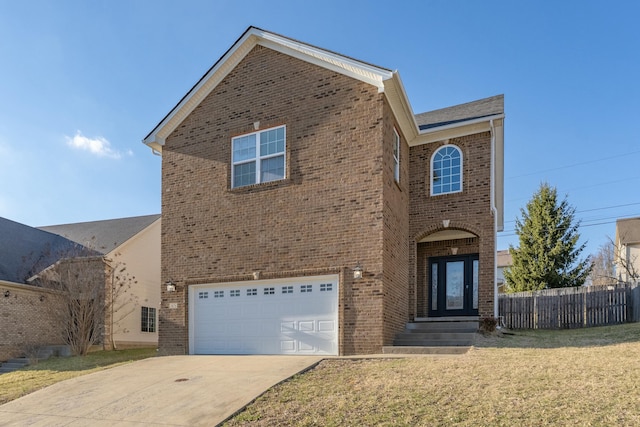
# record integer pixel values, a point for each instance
(297, 316)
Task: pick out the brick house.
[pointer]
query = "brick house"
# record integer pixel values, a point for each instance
(32, 260)
(289, 171)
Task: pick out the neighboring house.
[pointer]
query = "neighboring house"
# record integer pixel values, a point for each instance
(24, 309)
(627, 248)
(132, 243)
(503, 261)
(307, 210)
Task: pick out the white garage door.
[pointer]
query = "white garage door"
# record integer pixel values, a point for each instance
(284, 316)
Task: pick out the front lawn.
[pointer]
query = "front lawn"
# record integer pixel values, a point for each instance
(580, 377)
(47, 372)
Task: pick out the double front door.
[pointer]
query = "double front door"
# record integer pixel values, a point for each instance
(453, 285)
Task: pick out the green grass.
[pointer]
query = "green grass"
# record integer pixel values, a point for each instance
(47, 372)
(586, 377)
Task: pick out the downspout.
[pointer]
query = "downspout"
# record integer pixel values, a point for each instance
(111, 326)
(494, 213)
(113, 342)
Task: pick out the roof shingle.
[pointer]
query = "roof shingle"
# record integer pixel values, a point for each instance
(460, 113)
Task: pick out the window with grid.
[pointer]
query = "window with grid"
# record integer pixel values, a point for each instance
(396, 155)
(258, 157)
(148, 319)
(446, 170)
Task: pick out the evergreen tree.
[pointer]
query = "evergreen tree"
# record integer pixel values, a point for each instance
(548, 256)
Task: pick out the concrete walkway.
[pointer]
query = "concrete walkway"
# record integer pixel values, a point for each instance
(161, 391)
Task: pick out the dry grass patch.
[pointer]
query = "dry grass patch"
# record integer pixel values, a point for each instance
(45, 373)
(581, 377)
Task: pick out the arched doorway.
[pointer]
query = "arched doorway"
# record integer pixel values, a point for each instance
(448, 273)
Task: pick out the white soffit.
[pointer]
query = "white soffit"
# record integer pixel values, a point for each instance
(367, 73)
(447, 235)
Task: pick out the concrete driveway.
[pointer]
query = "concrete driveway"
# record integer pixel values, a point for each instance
(161, 391)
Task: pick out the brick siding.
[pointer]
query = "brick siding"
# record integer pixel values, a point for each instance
(326, 213)
(26, 319)
(469, 210)
(339, 204)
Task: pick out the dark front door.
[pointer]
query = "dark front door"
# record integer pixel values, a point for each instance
(453, 285)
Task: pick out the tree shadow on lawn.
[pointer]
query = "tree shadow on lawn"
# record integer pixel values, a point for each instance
(544, 338)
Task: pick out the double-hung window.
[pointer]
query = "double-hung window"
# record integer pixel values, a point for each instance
(148, 319)
(396, 155)
(258, 157)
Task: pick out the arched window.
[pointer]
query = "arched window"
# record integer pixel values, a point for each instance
(446, 170)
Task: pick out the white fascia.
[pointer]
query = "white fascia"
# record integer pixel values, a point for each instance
(344, 65)
(455, 130)
(401, 107)
(156, 139)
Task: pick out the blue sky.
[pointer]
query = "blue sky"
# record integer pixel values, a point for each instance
(83, 82)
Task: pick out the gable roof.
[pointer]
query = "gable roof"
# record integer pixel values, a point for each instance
(25, 250)
(252, 37)
(387, 82)
(485, 115)
(628, 231)
(103, 236)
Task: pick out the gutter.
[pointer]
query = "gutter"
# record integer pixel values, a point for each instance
(490, 119)
(494, 213)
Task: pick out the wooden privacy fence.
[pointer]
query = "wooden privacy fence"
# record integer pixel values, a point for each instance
(567, 308)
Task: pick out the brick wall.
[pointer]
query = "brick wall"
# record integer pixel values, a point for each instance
(26, 319)
(395, 253)
(469, 210)
(327, 213)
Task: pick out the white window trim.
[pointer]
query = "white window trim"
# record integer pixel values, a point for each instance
(461, 170)
(258, 158)
(396, 160)
(147, 317)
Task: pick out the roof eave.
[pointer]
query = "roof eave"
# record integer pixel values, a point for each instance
(455, 130)
(401, 107)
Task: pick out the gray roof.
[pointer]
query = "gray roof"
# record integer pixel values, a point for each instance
(461, 113)
(25, 251)
(628, 230)
(103, 236)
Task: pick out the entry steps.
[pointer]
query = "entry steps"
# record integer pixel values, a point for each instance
(435, 335)
(43, 353)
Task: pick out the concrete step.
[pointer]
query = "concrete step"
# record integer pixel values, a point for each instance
(442, 326)
(60, 350)
(438, 332)
(43, 353)
(14, 366)
(431, 343)
(435, 350)
(435, 336)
